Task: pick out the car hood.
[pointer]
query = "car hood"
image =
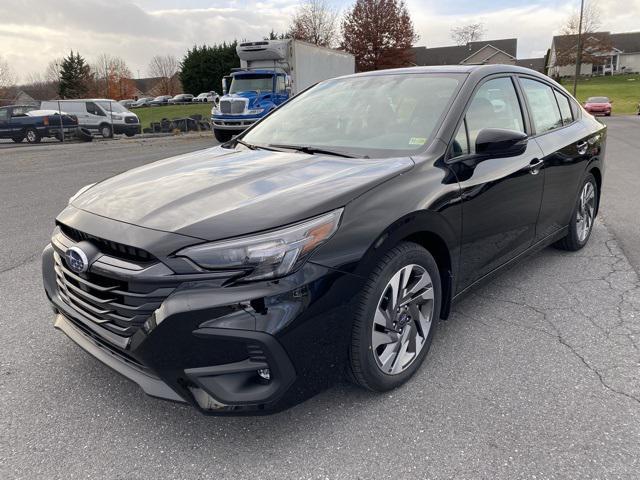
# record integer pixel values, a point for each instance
(218, 193)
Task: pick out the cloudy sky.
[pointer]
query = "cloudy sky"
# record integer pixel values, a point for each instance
(32, 32)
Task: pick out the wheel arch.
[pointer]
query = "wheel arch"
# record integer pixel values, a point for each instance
(432, 232)
(597, 174)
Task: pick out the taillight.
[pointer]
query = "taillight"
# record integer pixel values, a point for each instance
(46, 120)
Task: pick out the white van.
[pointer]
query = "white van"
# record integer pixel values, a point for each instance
(101, 114)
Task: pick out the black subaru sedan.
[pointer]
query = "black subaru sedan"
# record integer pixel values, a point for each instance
(328, 239)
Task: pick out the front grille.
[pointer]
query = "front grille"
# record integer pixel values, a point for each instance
(130, 120)
(119, 306)
(232, 106)
(108, 247)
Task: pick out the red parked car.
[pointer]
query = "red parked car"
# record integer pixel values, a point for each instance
(598, 106)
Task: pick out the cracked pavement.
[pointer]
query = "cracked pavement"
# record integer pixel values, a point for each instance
(535, 375)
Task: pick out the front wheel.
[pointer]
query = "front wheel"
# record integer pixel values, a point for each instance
(395, 318)
(582, 218)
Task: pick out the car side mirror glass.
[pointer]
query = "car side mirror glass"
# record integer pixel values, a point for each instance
(500, 142)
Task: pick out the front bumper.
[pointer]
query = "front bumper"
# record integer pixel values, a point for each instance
(127, 128)
(233, 122)
(205, 344)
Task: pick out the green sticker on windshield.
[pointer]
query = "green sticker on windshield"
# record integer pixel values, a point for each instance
(417, 141)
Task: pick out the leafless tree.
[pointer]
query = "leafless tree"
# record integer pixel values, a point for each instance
(590, 19)
(467, 33)
(111, 77)
(166, 68)
(315, 21)
(52, 73)
(593, 44)
(7, 77)
(40, 88)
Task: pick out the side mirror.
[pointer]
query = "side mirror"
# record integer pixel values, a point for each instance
(499, 142)
(224, 86)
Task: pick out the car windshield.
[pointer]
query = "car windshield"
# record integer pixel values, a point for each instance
(598, 100)
(202, 95)
(375, 115)
(246, 83)
(114, 107)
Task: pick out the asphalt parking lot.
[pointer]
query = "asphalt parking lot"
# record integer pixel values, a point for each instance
(536, 375)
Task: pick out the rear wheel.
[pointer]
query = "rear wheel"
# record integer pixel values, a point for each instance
(583, 216)
(223, 135)
(395, 318)
(129, 134)
(32, 135)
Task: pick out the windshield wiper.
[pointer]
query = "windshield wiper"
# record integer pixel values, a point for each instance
(250, 146)
(323, 151)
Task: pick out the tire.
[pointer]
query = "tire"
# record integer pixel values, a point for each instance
(32, 135)
(371, 363)
(106, 131)
(577, 237)
(17, 139)
(84, 134)
(223, 136)
(129, 134)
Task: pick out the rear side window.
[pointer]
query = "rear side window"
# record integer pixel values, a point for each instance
(565, 108)
(4, 114)
(542, 104)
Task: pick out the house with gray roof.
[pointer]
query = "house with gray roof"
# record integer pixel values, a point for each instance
(483, 52)
(605, 53)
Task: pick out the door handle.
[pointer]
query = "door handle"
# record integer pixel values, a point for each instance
(535, 166)
(582, 147)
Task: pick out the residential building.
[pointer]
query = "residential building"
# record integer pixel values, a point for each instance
(604, 53)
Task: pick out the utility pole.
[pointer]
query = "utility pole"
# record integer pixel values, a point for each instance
(579, 51)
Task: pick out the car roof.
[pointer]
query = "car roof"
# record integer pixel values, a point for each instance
(465, 69)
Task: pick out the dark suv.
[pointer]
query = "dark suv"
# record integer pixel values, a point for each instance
(335, 232)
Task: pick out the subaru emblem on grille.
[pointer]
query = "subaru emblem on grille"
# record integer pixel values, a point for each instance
(76, 259)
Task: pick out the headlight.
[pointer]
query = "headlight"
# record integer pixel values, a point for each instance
(215, 111)
(267, 255)
(81, 191)
(255, 111)
(116, 117)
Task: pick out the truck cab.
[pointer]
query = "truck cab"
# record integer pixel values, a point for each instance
(250, 96)
(271, 71)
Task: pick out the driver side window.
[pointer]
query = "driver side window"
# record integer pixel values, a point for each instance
(495, 105)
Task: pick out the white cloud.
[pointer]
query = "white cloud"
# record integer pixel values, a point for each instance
(32, 32)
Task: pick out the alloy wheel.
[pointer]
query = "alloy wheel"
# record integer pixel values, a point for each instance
(31, 136)
(402, 320)
(586, 211)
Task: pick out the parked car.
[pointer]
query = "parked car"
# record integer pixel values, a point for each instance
(598, 106)
(207, 97)
(19, 122)
(160, 100)
(99, 114)
(181, 98)
(127, 103)
(142, 102)
(239, 278)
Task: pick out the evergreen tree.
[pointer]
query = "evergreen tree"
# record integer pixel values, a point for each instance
(74, 77)
(203, 67)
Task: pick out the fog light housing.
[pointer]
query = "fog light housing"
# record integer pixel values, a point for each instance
(265, 374)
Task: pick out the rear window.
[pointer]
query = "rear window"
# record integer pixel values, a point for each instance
(598, 100)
